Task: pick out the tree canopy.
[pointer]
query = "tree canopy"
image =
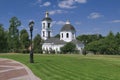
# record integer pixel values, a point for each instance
(68, 48)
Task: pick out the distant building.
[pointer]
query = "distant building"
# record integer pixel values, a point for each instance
(67, 34)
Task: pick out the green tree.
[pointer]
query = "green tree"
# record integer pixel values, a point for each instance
(89, 38)
(3, 39)
(108, 45)
(57, 36)
(93, 46)
(111, 44)
(24, 40)
(68, 48)
(117, 37)
(37, 44)
(13, 39)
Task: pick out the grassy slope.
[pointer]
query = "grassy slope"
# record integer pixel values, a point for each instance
(71, 67)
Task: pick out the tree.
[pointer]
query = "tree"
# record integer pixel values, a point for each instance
(3, 39)
(117, 38)
(24, 40)
(93, 46)
(37, 44)
(89, 38)
(68, 48)
(108, 45)
(57, 36)
(13, 41)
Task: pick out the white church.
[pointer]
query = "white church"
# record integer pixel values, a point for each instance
(67, 34)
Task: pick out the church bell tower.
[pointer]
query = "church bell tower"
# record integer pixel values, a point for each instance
(46, 31)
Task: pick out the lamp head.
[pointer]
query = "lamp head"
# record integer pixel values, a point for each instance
(31, 25)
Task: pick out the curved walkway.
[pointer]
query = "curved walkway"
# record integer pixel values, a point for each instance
(13, 70)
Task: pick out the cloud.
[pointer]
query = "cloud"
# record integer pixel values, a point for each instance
(95, 15)
(37, 2)
(114, 21)
(81, 1)
(69, 4)
(46, 4)
(58, 22)
(66, 4)
(57, 12)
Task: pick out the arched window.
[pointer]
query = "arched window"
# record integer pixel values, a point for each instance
(48, 25)
(73, 35)
(43, 33)
(48, 34)
(43, 25)
(62, 35)
(67, 35)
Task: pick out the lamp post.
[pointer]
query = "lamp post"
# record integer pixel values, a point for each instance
(31, 25)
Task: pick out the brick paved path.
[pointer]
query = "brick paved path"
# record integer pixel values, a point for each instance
(13, 70)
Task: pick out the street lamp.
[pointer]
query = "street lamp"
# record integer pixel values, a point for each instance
(31, 24)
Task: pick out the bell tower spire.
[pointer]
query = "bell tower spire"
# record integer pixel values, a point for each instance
(46, 14)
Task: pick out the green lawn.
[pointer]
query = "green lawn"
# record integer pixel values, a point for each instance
(71, 67)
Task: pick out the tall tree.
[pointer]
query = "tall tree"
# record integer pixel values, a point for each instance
(37, 44)
(3, 39)
(24, 40)
(14, 34)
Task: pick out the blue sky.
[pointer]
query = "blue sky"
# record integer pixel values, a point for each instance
(87, 16)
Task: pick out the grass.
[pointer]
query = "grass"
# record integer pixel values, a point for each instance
(71, 67)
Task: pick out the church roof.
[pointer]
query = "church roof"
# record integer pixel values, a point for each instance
(47, 19)
(68, 27)
(54, 41)
(57, 41)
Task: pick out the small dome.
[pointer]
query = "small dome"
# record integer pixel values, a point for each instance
(47, 18)
(68, 27)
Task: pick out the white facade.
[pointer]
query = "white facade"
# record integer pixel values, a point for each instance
(51, 46)
(67, 36)
(46, 31)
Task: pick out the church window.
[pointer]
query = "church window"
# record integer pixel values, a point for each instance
(48, 25)
(48, 34)
(62, 35)
(43, 25)
(72, 35)
(43, 34)
(67, 35)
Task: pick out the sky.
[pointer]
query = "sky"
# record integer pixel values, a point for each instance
(87, 16)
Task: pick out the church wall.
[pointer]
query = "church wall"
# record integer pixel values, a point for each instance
(65, 38)
(51, 46)
(46, 29)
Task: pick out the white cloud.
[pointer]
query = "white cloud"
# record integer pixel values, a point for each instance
(46, 4)
(58, 22)
(81, 1)
(66, 4)
(95, 15)
(37, 2)
(57, 12)
(114, 21)
(69, 4)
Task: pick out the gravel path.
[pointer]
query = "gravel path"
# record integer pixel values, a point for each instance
(13, 70)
